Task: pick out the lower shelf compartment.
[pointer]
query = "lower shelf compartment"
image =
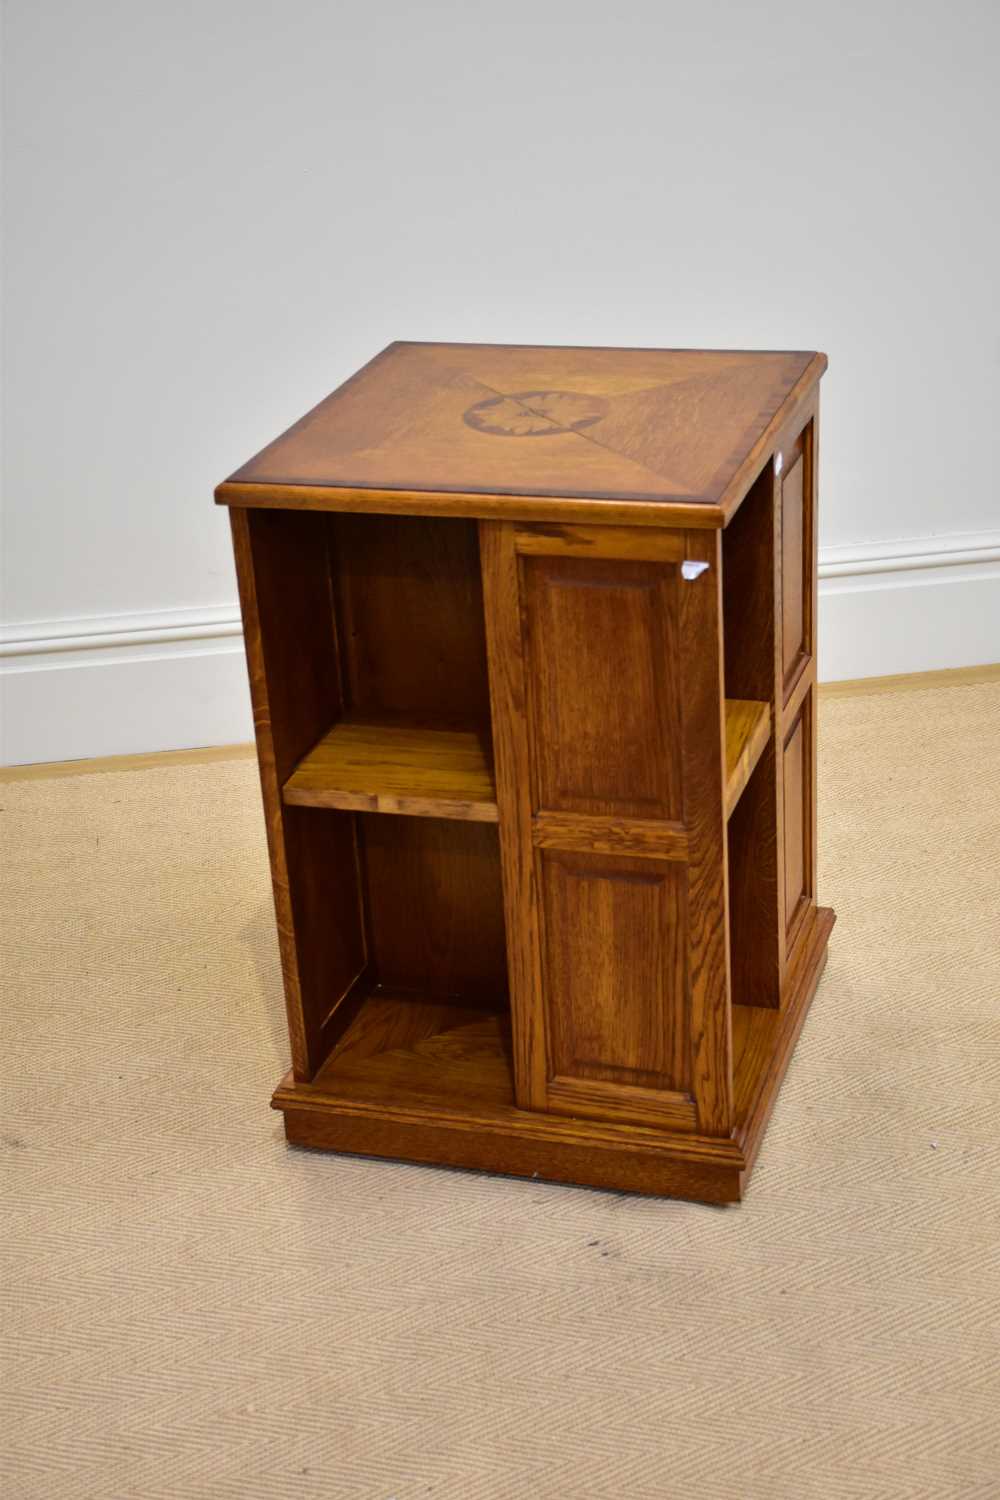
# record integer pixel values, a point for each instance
(403, 1049)
(433, 1082)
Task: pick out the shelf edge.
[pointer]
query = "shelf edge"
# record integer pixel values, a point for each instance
(750, 752)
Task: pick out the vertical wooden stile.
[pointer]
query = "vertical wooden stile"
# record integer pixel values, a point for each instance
(704, 748)
(508, 699)
(295, 691)
(756, 896)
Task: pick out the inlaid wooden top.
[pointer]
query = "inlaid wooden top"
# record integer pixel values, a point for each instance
(461, 426)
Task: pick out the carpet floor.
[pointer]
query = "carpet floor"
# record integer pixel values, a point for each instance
(194, 1309)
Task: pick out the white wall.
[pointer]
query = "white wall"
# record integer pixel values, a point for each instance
(216, 209)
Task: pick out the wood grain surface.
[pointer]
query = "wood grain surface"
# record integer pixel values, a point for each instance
(398, 766)
(540, 790)
(294, 686)
(660, 427)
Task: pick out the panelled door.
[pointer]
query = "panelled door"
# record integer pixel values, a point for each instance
(606, 684)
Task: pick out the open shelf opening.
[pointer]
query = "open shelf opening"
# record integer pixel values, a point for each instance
(372, 639)
(411, 734)
(409, 602)
(748, 636)
(408, 751)
(407, 910)
(748, 597)
(749, 667)
(417, 905)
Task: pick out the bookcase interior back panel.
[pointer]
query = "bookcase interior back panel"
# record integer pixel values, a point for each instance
(410, 606)
(798, 665)
(435, 906)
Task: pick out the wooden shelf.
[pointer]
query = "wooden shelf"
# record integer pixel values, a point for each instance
(394, 765)
(748, 729)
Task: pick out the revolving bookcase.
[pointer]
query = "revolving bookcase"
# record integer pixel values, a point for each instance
(531, 641)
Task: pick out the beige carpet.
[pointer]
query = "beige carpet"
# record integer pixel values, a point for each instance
(195, 1310)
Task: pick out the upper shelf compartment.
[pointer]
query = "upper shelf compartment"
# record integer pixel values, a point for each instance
(395, 765)
(748, 729)
(399, 641)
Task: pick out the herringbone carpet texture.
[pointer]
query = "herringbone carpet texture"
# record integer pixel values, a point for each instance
(195, 1310)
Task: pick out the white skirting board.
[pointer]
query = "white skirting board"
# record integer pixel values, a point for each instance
(172, 680)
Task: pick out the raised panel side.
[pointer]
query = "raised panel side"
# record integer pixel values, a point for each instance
(797, 794)
(615, 969)
(797, 685)
(604, 705)
(797, 646)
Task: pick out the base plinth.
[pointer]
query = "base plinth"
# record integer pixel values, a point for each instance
(441, 1095)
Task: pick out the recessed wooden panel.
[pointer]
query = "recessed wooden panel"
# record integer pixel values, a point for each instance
(603, 673)
(410, 600)
(797, 822)
(435, 905)
(794, 597)
(614, 958)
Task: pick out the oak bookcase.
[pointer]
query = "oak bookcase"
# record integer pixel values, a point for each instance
(531, 641)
